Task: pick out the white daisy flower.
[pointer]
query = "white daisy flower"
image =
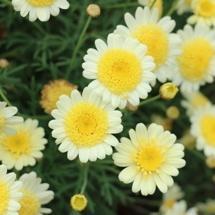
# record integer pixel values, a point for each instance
(196, 64)
(9, 192)
(40, 9)
(156, 34)
(202, 127)
(208, 207)
(84, 125)
(180, 208)
(150, 158)
(23, 148)
(193, 100)
(121, 70)
(173, 194)
(204, 12)
(7, 119)
(35, 195)
(183, 6)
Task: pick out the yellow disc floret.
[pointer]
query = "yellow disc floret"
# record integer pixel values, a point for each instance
(41, 3)
(29, 203)
(199, 100)
(156, 39)
(195, 59)
(4, 197)
(86, 124)
(206, 8)
(120, 71)
(2, 122)
(78, 202)
(18, 144)
(207, 125)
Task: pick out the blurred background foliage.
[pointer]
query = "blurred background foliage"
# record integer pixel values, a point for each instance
(39, 52)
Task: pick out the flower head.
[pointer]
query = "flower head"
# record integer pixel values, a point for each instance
(156, 34)
(183, 6)
(7, 119)
(150, 158)
(35, 195)
(52, 91)
(210, 162)
(40, 9)
(23, 148)
(9, 195)
(168, 91)
(208, 207)
(172, 112)
(121, 69)
(84, 125)
(4, 63)
(93, 10)
(79, 202)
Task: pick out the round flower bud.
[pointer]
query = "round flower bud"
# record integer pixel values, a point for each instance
(78, 202)
(93, 10)
(168, 91)
(131, 107)
(3, 63)
(210, 162)
(172, 112)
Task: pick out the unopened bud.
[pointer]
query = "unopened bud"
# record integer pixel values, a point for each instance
(3, 63)
(93, 10)
(78, 202)
(210, 162)
(172, 112)
(131, 107)
(168, 91)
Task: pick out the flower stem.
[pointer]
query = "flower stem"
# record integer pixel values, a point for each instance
(201, 156)
(5, 98)
(77, 47)
(151, 6)
(149, 100)
(86, 168)
(7, 2)
(172, 9)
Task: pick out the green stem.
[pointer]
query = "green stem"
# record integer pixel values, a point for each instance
(86, 168)
(151, 6)
(201, 156)
(78, 47)
(5, 98)
(172, 9)
(121, 5)
(38, 27)
(7, 2)
(149, 100)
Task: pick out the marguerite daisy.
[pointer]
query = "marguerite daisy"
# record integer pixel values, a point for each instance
(204, 12)
(150, 158)
(9, 192)
(156, 34)
(40, 9)
(84, 125)
(23, 148)
(7, 119)
(202, 127)
(183, 6)
(35, 195)
(208, 207)
(196, 64)
(121, 70)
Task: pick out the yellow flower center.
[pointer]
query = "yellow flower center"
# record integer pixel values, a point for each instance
(18, 144)
(207, 125)
(188, 2)
(206, 8)
(149, 158)
(170, 203)
(195, 59)
(78, 202)
(4, 197)
(41, 3)
(199, 100)
(29, 203)
(156, 39)
(2, 122)
(86, 124)
(120, 71)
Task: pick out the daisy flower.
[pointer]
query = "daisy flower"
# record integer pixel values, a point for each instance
(183, 6)
(150, 158)
(84, 125)
(156, 34)
(7, 119)
(170, 197)
(196, 65)
(204, 12)
(202, 127)
(35, 195)
(208, 207)
(180, 208)
(121, 70)
(40, 9)
(23, 148)
(158, 4)
(193, 100)
(10, 194)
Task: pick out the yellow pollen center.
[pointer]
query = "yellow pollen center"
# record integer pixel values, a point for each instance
(199, 100)
(86, 124)
(156, 39)
(18, 144)
(207, 125)
(4, 197)
(195, 59)
(188, 2)
(170, 203)
(41, 3)
(2, 122)
(29, 204)
(78, 202)
(206, 8)
(120, 71)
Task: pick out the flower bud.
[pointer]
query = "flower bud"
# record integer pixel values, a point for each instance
(210, 162)
(3, 63)
(172, 112)
(168, 91)
(131, 107)
(93, 10)
(78, 202)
